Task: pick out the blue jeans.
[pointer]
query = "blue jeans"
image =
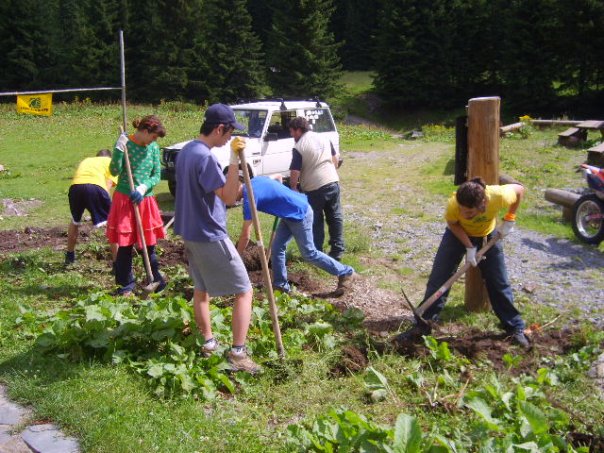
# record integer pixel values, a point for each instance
(450, 253)
(301, 231)
(327, 200)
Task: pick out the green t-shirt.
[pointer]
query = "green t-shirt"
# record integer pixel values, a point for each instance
(145, 164)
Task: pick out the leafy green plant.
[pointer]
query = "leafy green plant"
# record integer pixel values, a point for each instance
(376, 385)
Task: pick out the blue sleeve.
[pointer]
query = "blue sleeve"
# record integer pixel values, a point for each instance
(296, 163)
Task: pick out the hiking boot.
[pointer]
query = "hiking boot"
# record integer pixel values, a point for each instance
(69, 258)
(210, 347)
(345, 283)
(240, 361)
(413, 334)
(520, 339)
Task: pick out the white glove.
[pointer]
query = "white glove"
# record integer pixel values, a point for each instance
(506, 228)
(471, 256)
(142, 189)
(121, 142)
(237, 147)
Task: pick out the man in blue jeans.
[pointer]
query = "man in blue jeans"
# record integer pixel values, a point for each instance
(296, 215)
(471, 217)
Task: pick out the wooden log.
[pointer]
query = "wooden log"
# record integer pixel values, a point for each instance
(510, 127)
(483, 160)
(563, 198)
(506, 179)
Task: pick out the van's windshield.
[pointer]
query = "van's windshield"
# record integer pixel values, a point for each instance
(253, 120)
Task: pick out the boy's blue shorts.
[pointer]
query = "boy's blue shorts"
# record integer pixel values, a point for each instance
(89, 197)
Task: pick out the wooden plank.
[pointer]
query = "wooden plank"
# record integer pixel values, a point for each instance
(511, 127)
(568, 132)
(598, 148)
(555, 122)
(591, 124)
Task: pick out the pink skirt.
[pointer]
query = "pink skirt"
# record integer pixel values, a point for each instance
(121, 223)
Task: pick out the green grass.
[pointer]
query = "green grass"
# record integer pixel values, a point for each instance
(397, 183)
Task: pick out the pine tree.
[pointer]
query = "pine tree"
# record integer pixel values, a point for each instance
(413, 47)
(235, 60)
(302, 57)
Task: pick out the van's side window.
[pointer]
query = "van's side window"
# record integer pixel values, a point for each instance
(279, 123)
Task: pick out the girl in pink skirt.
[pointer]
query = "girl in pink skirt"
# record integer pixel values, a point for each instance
(143, 152)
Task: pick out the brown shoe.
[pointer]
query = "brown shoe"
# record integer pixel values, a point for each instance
(345, 283)
(242, 362)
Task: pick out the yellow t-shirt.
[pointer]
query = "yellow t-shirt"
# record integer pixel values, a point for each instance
(498, 198)
(94, 170)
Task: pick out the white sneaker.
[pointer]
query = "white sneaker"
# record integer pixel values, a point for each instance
(210, 347)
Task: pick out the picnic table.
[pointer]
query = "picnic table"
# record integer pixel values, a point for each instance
(578, 132)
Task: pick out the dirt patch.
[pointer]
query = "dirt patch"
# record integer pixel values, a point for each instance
(352, 360)
(34, 238)
(480, 346)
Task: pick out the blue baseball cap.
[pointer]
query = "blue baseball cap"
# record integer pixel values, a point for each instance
(222, 114)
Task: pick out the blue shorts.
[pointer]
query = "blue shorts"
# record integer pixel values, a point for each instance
(89, 197)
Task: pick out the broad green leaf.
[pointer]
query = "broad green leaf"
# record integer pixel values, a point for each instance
(156, 371)
(94, 313)
(374, 379)
(407, 435)
(479, 406)
(535, 417)
(379, 395)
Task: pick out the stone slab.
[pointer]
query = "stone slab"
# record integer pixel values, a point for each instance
(48, 439)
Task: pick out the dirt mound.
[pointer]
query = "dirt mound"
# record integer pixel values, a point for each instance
(352, 360)
(12, 241)
(480, 346)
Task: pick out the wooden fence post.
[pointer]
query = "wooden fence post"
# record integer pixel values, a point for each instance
(483, 160)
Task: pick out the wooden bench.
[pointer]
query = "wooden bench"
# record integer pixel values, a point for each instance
(595, 155)
(578, 132)
(572, 136)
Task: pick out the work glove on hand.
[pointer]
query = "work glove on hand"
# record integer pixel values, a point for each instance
(506, 227)
(471, 256)
(136, 197)
(121, 142)
(237, 146)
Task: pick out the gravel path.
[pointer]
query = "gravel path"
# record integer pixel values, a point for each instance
(548, 271)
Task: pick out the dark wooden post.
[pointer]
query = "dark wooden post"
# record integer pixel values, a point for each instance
(483, 160)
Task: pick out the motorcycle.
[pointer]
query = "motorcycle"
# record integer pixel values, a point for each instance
(588, 210)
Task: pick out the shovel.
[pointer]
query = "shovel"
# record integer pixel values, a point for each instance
(421, 309)
(263, 259)
(151, 286)
(272, 238)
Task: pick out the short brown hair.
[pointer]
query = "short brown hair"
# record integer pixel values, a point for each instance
(471, 194)
(299, 122)
(103, 153)
(151, 124)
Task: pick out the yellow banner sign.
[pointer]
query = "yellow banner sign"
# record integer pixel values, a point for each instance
(36, 104)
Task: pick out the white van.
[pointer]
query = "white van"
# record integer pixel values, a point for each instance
(269, 145)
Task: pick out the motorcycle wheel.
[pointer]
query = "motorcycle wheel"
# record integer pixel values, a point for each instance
(588, 219)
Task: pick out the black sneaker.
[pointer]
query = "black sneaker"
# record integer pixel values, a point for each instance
(69, 258)
(413, 334)
(519, 339)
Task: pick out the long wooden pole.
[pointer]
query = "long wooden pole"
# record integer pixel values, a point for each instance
(265, 272)
(151, 285)
(483, 160)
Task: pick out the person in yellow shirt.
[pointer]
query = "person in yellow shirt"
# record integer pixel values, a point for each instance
(471, 217)
(89, 190)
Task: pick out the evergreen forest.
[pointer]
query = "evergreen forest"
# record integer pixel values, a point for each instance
(544, 54)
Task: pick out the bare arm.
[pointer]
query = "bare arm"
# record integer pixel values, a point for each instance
(460, 234)
(335, 159)
(294, 176)
(228, 192)
(519, 189)
(244, 237)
